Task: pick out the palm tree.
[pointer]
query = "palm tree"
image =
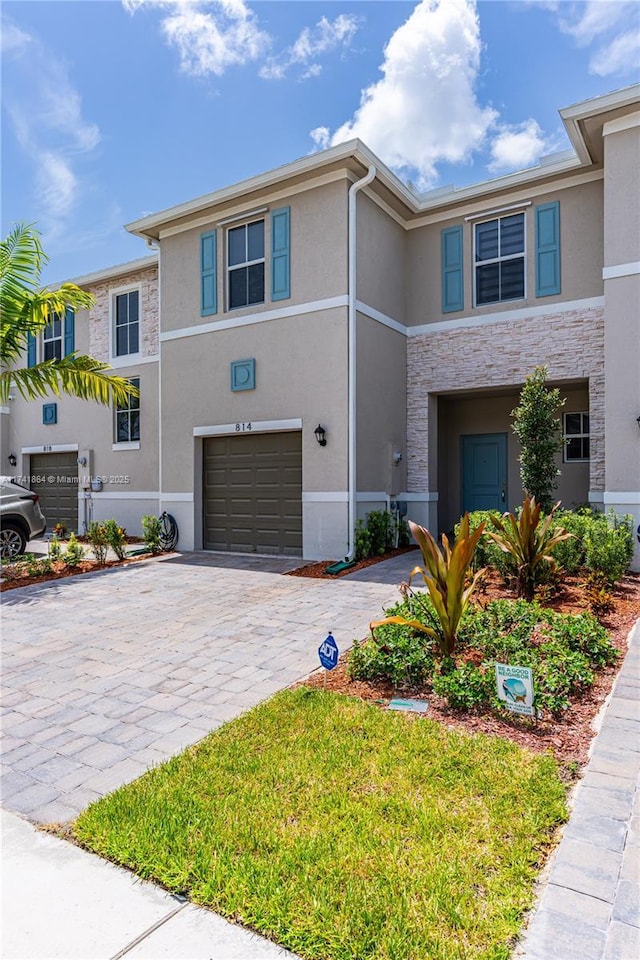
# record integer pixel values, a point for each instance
(25, 311)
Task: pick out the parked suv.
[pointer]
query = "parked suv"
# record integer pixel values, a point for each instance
(21, 518)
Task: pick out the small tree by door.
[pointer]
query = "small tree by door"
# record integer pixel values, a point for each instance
(539, 431)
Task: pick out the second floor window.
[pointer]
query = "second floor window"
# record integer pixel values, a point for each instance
(499, 259)
(127, 323)
(52, 339)
(246, 264)
(127, 425)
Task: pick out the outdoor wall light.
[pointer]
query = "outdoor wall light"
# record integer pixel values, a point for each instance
(321, 435)
(397, 457)
(638, 421)
(82, 461)
(13, 460)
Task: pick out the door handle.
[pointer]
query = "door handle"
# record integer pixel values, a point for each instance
(503, 494)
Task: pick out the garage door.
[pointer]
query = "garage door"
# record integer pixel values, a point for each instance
(54, 477)
(253, 493)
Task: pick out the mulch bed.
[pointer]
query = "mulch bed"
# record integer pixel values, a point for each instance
(569, 737)
(61, 571)
(318, 570)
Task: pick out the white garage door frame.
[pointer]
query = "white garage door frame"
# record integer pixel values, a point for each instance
(230, 429)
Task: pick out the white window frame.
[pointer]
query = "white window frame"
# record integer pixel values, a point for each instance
(246, 263)
(129, 444)
(123, 358)
(59, 339)
(512, 256)
(575, 436)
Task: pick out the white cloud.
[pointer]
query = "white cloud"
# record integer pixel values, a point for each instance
(45, 110)
(612, 27)
(326, 36)
(209, 36)
(424, 109)
(56, 184)
(321, 136)
(12, 37)
(515, 148)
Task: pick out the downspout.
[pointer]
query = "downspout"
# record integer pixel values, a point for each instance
(155, 245)
(351, 518)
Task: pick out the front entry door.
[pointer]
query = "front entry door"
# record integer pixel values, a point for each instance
(484, 472)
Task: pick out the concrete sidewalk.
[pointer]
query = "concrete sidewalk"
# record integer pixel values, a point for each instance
(59, 901)
(589, 908)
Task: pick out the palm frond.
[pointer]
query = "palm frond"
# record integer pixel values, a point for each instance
(80, 376)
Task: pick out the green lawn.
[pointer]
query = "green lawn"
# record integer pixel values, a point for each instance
(343, 831)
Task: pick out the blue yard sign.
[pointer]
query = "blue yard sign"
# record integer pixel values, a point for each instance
(328, 653)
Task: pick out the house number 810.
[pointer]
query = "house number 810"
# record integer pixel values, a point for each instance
(241, 427)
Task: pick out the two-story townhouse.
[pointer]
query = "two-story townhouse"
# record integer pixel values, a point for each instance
(84, 460)
(327, 294)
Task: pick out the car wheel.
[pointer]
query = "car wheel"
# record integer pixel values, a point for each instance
(12, 541)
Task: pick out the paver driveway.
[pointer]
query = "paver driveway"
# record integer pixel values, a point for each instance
(106, 674)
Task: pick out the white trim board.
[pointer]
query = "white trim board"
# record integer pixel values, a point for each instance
(313, 306)
(132, 360)
(621, 270)
(250, 426)
(52, 448)
(129, 495)
(523, 313)
(429, 497)
(630, 498)
(325, 496)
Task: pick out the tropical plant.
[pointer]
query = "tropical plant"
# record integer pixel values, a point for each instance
(116, 537)
(97, 537)
(152, 532)
(609, 546)
(74, 552)
(25, 311)
(449, 582)
(540, 434)
(529, 542)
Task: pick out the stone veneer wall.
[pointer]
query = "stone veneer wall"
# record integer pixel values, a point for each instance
(570, 344)
(99, 328)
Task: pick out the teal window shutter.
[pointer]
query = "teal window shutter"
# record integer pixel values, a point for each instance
(452, 272)
(280, 254)
(548, 249)
(209, 298)
(69, 331)
(31, 350)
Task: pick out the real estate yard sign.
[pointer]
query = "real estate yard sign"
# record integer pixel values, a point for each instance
(515, 688)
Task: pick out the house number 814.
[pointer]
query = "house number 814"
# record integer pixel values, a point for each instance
(241, 427)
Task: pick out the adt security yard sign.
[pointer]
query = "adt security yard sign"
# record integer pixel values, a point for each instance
(328, 653)
(515, 688)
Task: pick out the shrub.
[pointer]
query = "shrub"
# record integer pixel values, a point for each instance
(571, 553)
(151, 533)
(540, 433)
(39, 567)
(97, 537)
(609, 546)
(54, 549)
(395, 653)
(467, 687)
(488, 553)
(529, 542)
(74, 552)
(116, 537)
(380, 532)
(445, 575)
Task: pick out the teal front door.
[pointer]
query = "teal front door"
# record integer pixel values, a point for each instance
(484, 472)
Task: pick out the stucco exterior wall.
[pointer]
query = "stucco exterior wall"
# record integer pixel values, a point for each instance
(381, 407)
(570, 344)
(622, 321)
(381, 260)
(318, 224)
(581, 217)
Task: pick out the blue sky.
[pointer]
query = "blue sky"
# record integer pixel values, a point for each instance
(111, 110)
